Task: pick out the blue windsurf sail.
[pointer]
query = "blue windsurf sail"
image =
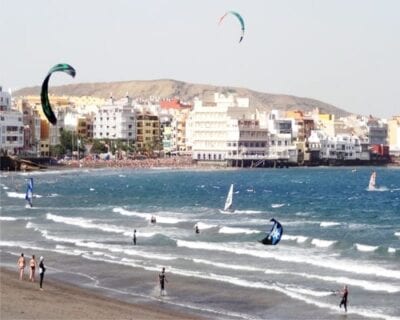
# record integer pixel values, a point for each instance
(29, 191)
(274, 235)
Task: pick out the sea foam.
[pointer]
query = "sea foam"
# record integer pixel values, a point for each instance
(231, 230)
(365, 248)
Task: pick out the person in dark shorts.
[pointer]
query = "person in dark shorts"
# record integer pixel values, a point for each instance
(162, 279)
(345, 293)
(42, 270)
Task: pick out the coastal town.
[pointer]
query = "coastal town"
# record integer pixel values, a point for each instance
(223, 130)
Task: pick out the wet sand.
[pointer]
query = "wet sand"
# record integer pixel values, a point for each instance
(24, 300)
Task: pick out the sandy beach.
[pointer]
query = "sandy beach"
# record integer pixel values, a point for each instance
(24, 300)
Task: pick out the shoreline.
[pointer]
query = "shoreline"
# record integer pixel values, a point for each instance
(60, 300)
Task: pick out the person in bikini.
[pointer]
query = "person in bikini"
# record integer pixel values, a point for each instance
(32, 264)
(21, 266)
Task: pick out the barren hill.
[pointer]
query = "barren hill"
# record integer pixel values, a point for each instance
(166, 88)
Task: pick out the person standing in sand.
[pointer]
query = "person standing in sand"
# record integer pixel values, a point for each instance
(42, 270)
(32, 265)
(345, 293)
(162, 279)
(21, 266)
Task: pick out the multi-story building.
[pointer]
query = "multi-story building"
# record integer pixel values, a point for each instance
(166, 132)
(11, 126)
(31, 120)
(210, 125)
(85, 127)
(394, 135)
(377, 132)
(115, 120)
(341, 148)
(148, 136)
(45, 138)
(281, 137)
(179, 130)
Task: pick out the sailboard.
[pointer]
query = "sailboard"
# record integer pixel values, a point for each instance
(29, 192)
(372, 181)
(229, 199)
(275, 235)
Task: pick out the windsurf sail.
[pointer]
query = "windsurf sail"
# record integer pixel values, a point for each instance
(229, 199)
(372, 181)
(29, 191)
(274, 235)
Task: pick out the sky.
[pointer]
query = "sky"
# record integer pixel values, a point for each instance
(342, 52)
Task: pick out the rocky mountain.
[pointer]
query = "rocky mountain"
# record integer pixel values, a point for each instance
(166, 88)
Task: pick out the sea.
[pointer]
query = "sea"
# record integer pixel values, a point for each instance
(336, 232)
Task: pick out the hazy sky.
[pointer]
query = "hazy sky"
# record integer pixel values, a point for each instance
(343, 52)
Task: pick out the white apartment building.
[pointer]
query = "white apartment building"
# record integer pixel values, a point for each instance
(211, 126)
(342, 147)
(115, 120)
(11, 126)
(280, 138)
(394, 135)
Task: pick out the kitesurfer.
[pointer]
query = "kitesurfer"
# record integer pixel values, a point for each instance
(134, 237)
(196, 229)
(153, 219)
(162, 279)
(345, 293)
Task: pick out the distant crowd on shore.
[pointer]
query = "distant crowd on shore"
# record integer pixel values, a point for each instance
(170, 162)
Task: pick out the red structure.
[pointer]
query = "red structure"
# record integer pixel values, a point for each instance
(173, 104)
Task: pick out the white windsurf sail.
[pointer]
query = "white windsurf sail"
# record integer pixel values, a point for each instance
(372, 181)
(229, 199)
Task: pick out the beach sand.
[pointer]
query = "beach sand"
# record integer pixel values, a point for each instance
(24, 300)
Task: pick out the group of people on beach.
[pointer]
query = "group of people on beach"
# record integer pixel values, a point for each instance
(171, 162)
(21, 263)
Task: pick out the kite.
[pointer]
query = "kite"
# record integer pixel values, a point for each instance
(274, 235)
(44, 95)
(239, 17)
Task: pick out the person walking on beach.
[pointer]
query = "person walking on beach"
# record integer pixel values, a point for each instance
(345, 293)
(32, 265)
(42, 270)
(21, 266)
(162, 279)
(134, 237)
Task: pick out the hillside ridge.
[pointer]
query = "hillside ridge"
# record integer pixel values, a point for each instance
(168, 88)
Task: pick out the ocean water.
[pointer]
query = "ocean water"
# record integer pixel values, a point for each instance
(336, 232)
